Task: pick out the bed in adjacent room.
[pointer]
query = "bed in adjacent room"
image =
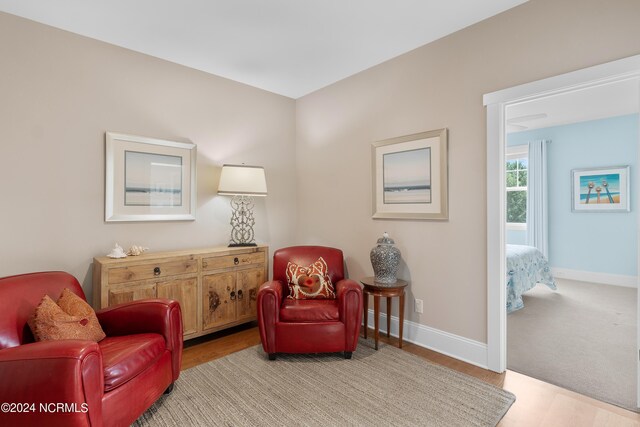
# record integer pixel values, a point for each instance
(526, 266)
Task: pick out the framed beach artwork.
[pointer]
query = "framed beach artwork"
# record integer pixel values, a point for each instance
(410, 176)
(600, 189)
(149, 179)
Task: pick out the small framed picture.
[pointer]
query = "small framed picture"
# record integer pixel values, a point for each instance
(600, 189)
(410, 176)
(149, 179)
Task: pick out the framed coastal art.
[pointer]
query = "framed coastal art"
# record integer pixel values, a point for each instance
(600, 189)
(410, 177)
(149, 179)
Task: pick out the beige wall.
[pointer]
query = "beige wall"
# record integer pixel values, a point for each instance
(60, 92)
(440, 85)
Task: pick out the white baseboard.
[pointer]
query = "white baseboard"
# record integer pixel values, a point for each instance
(458, 347)
(593, 277)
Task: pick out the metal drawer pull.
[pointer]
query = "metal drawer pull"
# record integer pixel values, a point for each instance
(236, 261)
(233, 295)
(156, 271)
(240, 294)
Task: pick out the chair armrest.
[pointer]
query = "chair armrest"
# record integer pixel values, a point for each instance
(349, 294)
(269, 301)
(51, 372)
(160, 316)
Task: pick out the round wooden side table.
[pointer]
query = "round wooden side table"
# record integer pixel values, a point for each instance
(388, 290)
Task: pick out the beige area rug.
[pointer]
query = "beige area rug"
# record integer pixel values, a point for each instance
(387, 387)
(581, 337)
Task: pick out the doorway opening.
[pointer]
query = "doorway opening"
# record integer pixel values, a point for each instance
(500, 108)
(571, 242)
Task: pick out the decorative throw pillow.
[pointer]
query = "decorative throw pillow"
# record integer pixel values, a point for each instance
(73, 305)
(310, 282)
(71, 319)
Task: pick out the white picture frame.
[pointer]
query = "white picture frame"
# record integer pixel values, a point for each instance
(600, 190)
(410, 176)
(148, 179)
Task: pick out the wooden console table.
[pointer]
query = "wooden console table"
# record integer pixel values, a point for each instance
(389, 290)
(216, 287)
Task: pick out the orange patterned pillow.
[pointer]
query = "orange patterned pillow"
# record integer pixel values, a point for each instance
(312, 282)
(71, 319)
(73, 305)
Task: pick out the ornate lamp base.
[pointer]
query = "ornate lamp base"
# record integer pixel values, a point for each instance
(242, 222)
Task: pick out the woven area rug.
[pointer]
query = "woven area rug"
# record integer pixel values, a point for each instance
(386, 387)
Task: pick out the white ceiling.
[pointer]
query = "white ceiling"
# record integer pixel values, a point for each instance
(613, 99)
(290, 47)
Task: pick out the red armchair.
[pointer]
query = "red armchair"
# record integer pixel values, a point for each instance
(309, 326)
(109, 383)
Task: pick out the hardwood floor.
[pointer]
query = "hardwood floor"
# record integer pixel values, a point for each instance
(211, 347)
(537, 403)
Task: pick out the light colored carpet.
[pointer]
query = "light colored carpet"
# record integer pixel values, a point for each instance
(387, 387)
(581, 337)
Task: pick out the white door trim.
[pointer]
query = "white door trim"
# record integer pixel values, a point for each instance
(636, 183)
(496, 103)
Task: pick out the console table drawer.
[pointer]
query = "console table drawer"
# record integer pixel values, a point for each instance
(229, 261)
(153, 270)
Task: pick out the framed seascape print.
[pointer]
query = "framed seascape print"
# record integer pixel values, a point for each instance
(410, 176)
(149, 179)
(600, 189)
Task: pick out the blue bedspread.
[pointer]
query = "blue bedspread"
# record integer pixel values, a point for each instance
(526, 266)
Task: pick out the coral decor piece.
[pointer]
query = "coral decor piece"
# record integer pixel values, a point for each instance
(136, 250)
(117, 252)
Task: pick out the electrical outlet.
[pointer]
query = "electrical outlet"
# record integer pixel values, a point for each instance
(418, 305)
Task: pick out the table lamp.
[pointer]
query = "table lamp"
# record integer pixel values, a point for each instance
(242, 182)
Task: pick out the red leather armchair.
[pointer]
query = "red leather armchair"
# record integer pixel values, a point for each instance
(309, 326)
(109, 383)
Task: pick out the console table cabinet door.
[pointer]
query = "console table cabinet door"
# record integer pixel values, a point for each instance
(248, 283)
(131, 292)
(185, 292)
(218, 299)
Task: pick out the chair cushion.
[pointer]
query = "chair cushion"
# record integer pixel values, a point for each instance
(126, 356)
(309, 282)
(305, 311)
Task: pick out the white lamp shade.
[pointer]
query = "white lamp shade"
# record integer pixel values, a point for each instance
(242, 180)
